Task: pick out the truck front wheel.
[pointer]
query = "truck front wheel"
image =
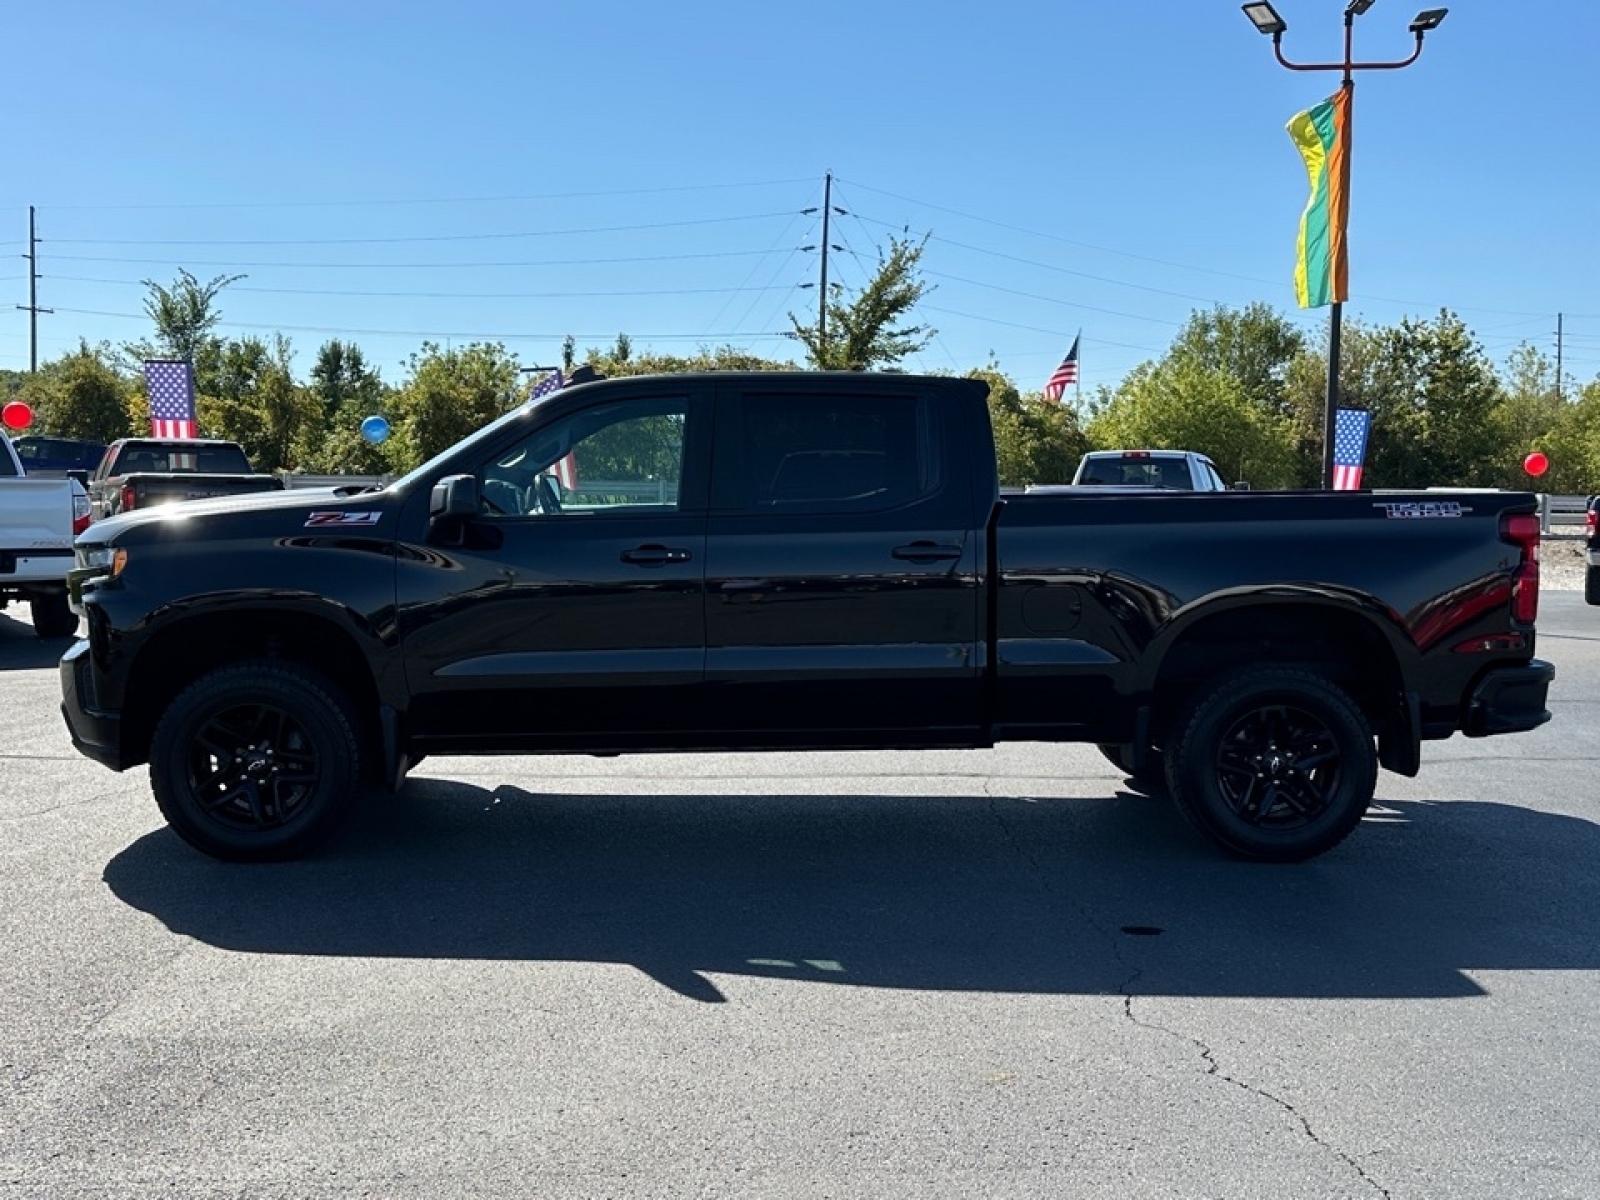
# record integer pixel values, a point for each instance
(1274, 764)
(256, 761)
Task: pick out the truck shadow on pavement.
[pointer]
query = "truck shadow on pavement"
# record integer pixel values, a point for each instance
(1086, 896)
(23, 650)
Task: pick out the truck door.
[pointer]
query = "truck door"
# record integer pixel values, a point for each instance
(573, 602)
(842, 575)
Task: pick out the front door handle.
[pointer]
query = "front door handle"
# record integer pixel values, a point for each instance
(926, 552)
(655, 556)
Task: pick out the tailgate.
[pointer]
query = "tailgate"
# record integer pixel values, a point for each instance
(163, 489)
(35, 515)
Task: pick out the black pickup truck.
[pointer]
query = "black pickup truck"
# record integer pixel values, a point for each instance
(143, 472)
(793, 561)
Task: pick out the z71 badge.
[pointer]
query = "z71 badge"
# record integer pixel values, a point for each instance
(365, 517)
(1422, 510)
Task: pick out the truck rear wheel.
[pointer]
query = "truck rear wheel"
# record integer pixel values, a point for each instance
(1272, 763)
(52, 616)
(257, 761)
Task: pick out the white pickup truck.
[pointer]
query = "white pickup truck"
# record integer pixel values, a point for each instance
(38, 520)
(1144, 471)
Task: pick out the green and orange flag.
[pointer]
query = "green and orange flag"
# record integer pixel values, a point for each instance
(1322, 268)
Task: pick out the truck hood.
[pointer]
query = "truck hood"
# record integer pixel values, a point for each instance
(302, 499)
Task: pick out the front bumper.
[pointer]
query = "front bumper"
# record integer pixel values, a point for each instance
(1510, 700)
(95, 732)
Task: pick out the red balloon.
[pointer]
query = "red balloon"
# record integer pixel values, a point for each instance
(16, 415)
(1536, 464)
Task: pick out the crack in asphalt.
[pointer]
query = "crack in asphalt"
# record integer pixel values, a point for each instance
(1213, 1067)
(1207, 1055)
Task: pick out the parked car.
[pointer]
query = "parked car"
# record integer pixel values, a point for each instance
(1591, 573)
(38, 520)
(141, 472)
(793, 561)
(46, 457)
(1144, 470)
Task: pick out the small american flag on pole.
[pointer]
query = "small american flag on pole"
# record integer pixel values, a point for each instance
(1350, 428)
(171, 387)
(550, 383)
(566, 470)
(1067, 373)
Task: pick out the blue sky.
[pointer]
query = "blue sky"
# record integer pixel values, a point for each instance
(393, 172)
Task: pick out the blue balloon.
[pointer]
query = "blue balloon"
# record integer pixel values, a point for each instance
(375, 429)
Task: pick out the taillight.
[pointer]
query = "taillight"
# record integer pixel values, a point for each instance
(1589, 522)
(1522, 531)
(80, 513)
(130, 497)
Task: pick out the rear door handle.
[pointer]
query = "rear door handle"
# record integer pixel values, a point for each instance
(926, 552)
(655, 556)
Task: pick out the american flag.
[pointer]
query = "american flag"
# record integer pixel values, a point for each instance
(550, 383)
(1065, 374)
(1349, 447)
(565, 471)
(171, 387)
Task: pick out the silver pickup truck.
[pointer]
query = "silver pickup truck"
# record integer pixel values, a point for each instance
(38, 520)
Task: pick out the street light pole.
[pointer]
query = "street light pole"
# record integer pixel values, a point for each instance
(1266, 19)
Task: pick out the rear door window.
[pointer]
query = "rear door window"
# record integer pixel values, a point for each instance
(834, 453)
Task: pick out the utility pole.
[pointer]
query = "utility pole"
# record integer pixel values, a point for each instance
(32, 306)
(822, 292)
(1558, 358)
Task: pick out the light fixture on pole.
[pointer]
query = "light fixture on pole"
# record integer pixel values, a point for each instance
(1266, 19)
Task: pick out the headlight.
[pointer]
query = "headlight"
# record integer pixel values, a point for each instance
(94, 564)
(102, 559)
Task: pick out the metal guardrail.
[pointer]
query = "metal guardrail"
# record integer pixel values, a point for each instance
(292, 479)
(1561, 510)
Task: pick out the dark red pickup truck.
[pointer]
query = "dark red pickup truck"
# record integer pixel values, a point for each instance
(793, 561)
(143, 472)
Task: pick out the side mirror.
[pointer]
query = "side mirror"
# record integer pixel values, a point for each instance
(454, 496)
(1240, 486)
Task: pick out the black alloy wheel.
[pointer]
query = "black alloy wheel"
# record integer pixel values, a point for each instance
(1274, 764)
(256, 761)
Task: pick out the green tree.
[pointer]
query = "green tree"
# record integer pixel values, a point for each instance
(1035, 440)
(255, 401)
(1532, 410)
(1181, 404)
(1573, 447)
(185, 317)
(862, 335)
(1436, 409)
(347, 392)
(85, 396)
(450, 393)
(721, 358)
(1255, 345)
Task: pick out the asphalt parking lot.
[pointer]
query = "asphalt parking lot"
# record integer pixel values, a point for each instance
(963, 974)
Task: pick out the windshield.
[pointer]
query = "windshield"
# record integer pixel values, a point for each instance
(487, 433)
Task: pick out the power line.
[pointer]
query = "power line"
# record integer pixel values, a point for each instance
(437, 295)
(440, 237)
(409, 266)
(419, 333)
(393, 203)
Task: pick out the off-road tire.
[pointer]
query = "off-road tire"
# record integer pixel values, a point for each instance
(1273, 764)
(257, 761)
